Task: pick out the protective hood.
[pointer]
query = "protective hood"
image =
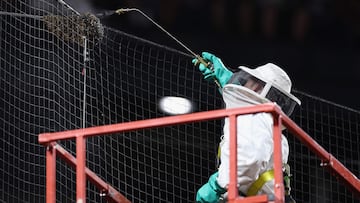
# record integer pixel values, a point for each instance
(267, 83)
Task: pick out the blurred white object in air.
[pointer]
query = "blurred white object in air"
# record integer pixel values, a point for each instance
(175, 105)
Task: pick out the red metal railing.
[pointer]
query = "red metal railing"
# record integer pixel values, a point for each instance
(53, 149)
(49, 140)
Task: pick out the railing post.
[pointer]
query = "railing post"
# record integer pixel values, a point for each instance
(50, 173)
(232, 188)
(80, 169)
(279, 184)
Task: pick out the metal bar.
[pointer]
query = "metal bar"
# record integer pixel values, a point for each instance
(68, 6)
(336, 168)
(279, 184)
(344, 175)
(198, 57)
(108, 190)
(122, 10)
(253, 199)
(232, 188)
(306, 139)
(155, 122)
(50, 174)
(80, 169)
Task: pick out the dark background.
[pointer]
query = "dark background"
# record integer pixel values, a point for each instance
(315, 41)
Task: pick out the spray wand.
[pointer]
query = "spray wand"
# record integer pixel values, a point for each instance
(197, 56)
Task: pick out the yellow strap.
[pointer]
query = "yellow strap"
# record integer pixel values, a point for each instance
(219, 152)
(218, 157)
(258, 184)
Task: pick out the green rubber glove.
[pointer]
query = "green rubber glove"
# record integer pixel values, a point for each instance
(218, 71)
(211, 191)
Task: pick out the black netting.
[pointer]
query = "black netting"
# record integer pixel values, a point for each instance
(42, 90)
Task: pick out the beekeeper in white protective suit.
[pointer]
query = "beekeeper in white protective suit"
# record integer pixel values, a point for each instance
(267, 83)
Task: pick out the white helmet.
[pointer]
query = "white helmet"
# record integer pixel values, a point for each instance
(275, 83)
(273, 74)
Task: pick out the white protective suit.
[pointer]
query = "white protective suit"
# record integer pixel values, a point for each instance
(255, 144)
(254, 140)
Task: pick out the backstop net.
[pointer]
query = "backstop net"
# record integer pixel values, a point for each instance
(48, 72)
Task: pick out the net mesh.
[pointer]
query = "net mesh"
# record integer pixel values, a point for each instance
(42, 90)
